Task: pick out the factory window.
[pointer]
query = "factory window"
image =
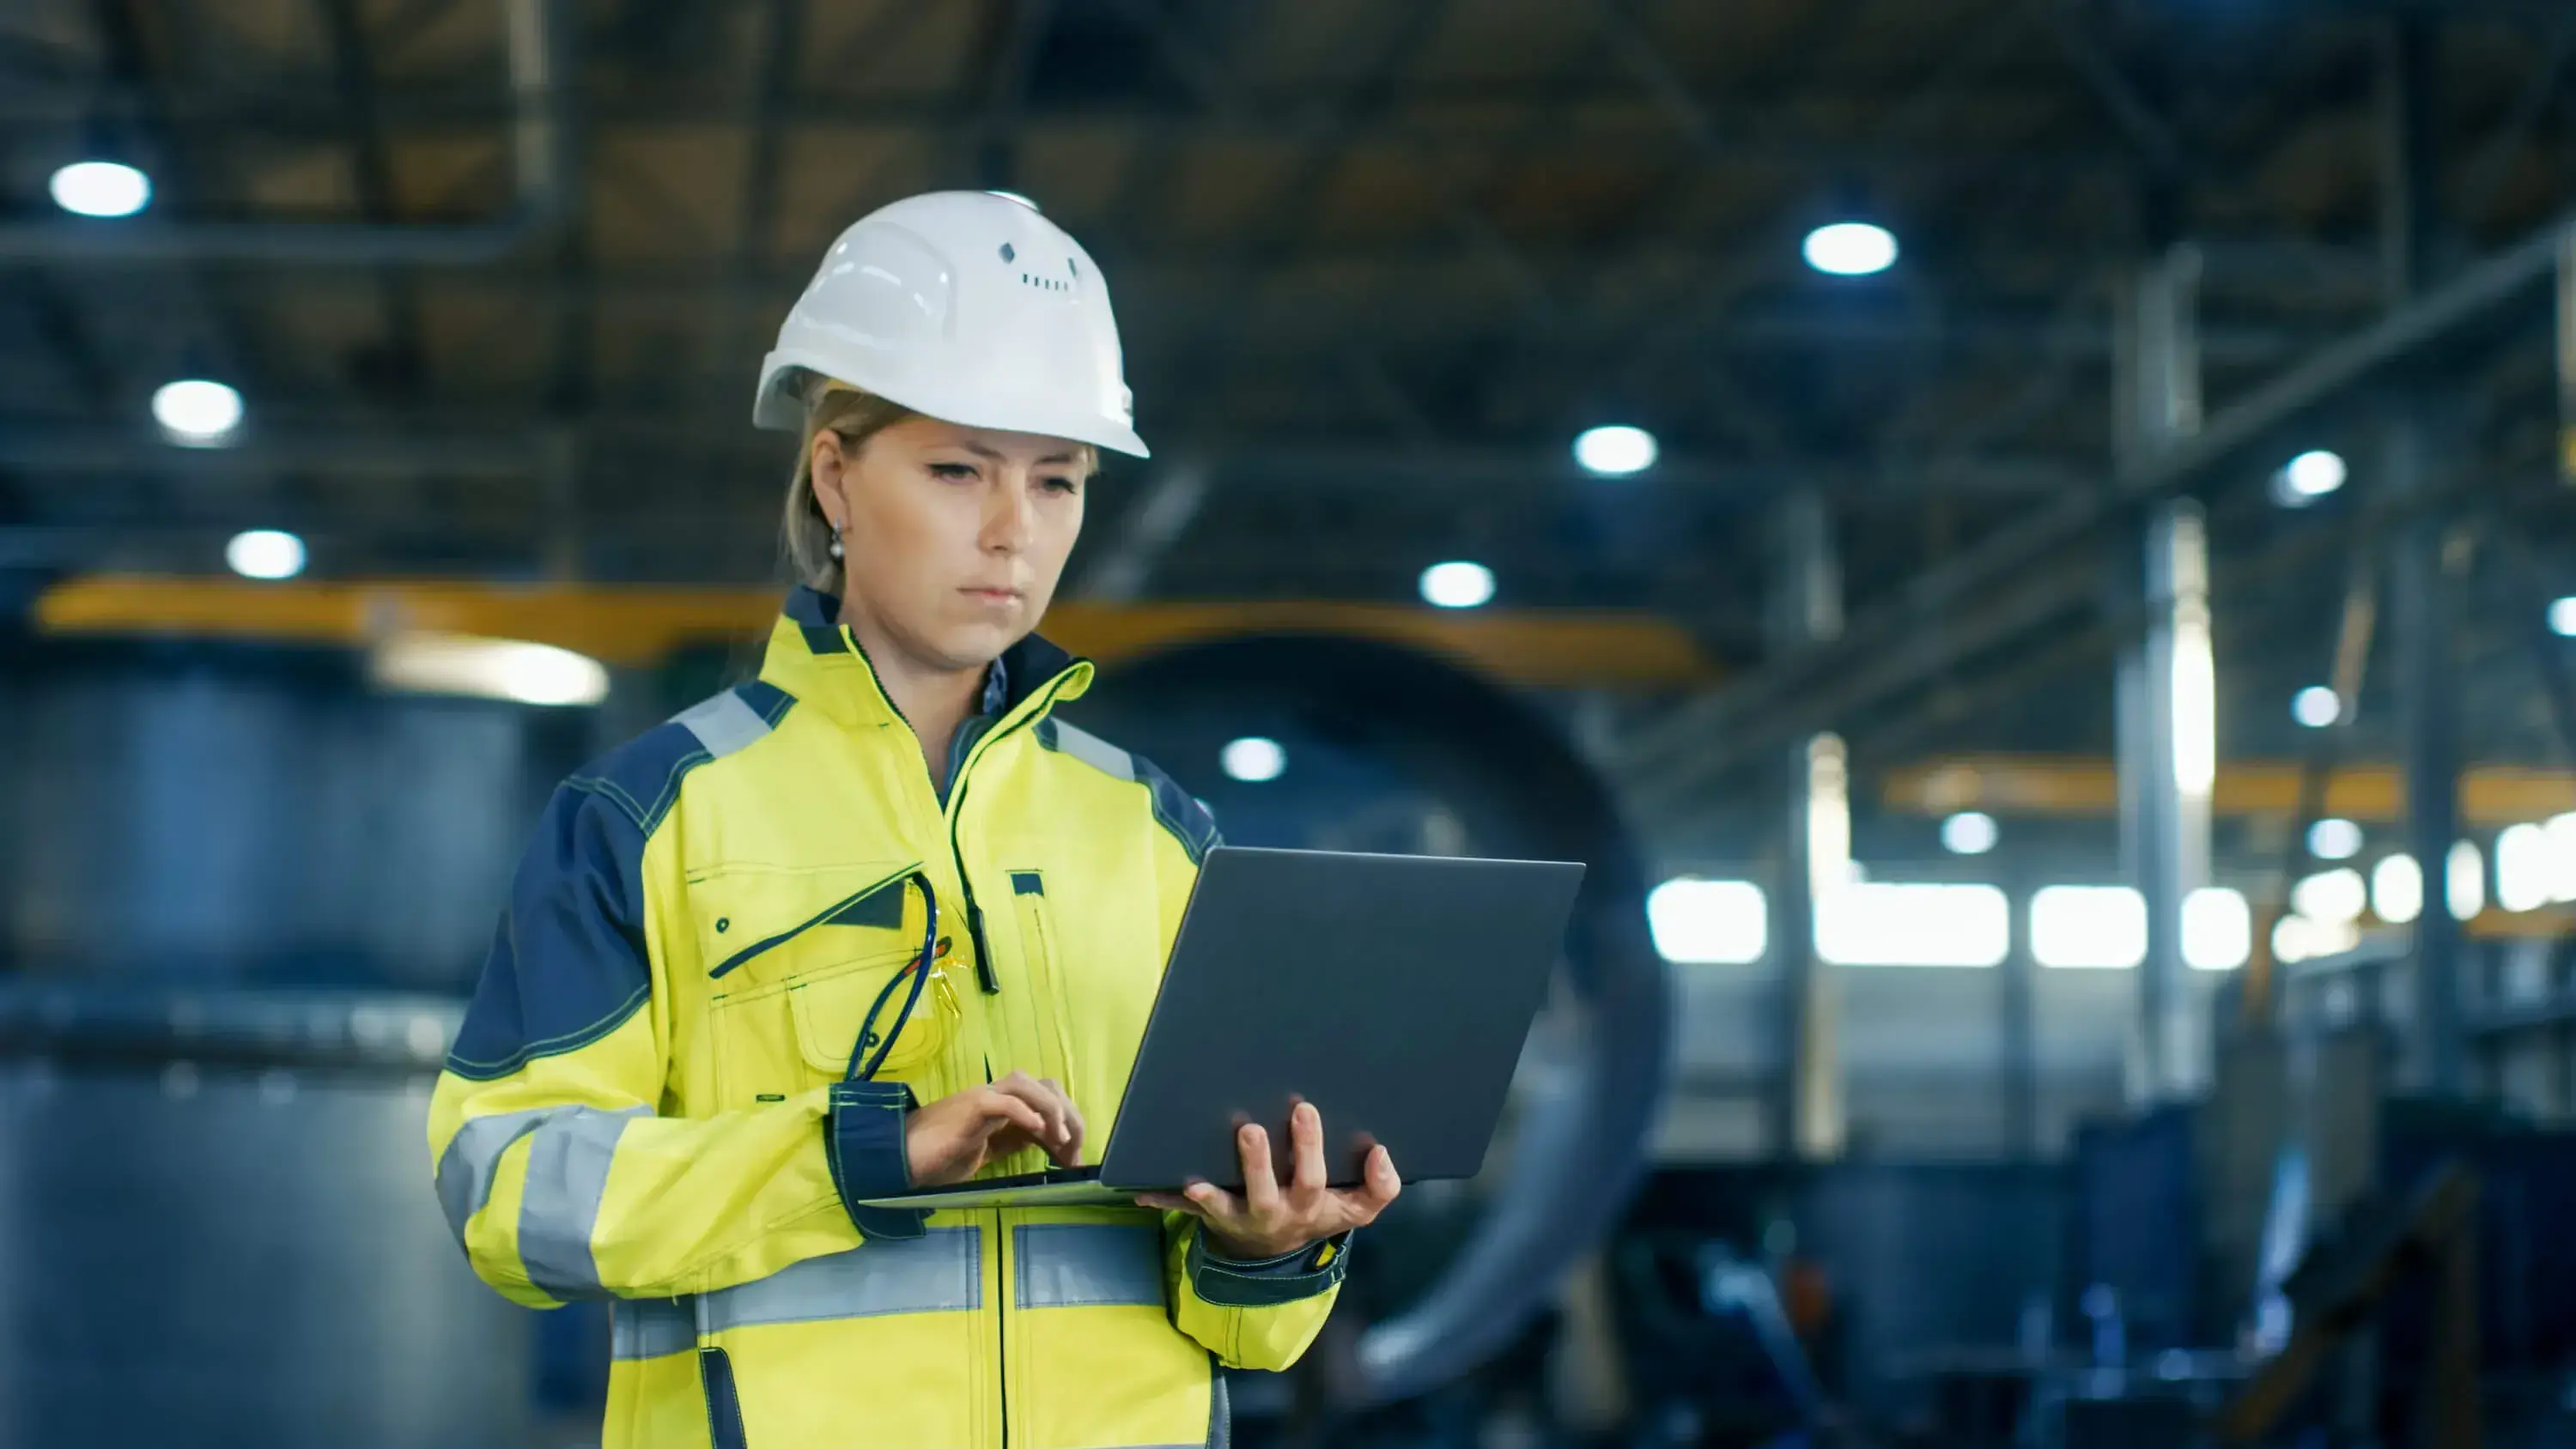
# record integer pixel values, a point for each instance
(1709, 922)
(2097, 926)
(2217, 929)
(1875, 923)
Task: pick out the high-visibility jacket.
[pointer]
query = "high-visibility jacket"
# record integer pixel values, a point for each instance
(650, 1098)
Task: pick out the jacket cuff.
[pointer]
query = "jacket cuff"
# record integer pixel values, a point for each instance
(1268, 1282)
(863, 1142)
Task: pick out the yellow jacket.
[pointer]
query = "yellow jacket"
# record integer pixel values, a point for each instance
(652, 1096)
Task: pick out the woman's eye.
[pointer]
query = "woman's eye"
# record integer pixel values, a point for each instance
(953, 472)
(1060, 485)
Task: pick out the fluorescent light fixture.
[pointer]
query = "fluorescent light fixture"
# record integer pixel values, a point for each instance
(2316, 707)
(1970, 832)
(1457, 585)
(101, 188)
(2465, 880)
(195, 412)
(2296, 938)
(511, 669)
(1253, 759)
(2526, 868)
(2331, 897)
(1851, 249)
(2217, 929)
(1709, 922)
(2562, 618)
(2334, 839)
(1615, 451)
(1878, 923)
(2397, 890)
(2313, 475)
(265, 553)
(2097, 926)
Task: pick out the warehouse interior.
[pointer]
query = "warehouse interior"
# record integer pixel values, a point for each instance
(2028, 544)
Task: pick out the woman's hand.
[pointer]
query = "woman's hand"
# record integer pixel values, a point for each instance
(1266, 1220)
(951, 1139)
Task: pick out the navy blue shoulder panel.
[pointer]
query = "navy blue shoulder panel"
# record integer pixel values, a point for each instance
(1177, 810)
(568, 964)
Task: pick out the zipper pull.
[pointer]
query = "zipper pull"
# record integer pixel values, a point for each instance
(983, 954)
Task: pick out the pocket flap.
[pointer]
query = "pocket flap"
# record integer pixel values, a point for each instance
(772, 922)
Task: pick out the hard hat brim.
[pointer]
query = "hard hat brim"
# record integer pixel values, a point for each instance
(779, 407)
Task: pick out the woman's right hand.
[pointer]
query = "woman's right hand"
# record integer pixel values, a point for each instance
(951, 1139)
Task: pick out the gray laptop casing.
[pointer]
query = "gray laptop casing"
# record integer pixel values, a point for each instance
(1392, 991)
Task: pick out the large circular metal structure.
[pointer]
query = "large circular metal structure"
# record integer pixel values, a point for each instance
(1518, 787)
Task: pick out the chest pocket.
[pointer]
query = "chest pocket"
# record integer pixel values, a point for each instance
(806, 962)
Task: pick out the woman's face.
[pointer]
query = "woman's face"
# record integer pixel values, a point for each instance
(953, 537)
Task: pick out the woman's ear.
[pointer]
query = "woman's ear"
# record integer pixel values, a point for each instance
(829, 466)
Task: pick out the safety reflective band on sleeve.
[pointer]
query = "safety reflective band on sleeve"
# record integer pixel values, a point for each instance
(939, 1272)
(473, 1155)
(640, 1328)
(1087, 1265)
(567, 1176)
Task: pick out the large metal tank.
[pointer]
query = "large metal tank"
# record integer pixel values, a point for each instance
(212, 812)
(221, 1233)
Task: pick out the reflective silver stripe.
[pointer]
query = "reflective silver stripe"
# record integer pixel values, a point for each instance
(1087, 1265)
(651, 1327)
(567, 1177)
(723, 724)
(473, 1156)
(941, 1271)
(1094, 751)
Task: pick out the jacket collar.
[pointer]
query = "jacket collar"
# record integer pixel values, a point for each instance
(813, 658)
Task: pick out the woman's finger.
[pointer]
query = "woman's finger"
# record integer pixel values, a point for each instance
(1074, 1126)
(1167, 1202)
(1379, 1183)
(1260, 1180)
(1213, 1203)
(1306, 1135)
(1004, 1106)
(1050, 1106)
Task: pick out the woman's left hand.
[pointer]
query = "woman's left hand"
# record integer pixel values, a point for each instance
(1266, 1220)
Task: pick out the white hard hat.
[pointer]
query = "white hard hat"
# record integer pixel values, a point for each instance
(967, 306)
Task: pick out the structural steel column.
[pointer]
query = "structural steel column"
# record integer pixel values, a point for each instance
(2419, 427)
(1806, 609)
(2167, 688)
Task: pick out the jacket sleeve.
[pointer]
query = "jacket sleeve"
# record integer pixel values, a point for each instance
(552, 1167)
(1250, 1315)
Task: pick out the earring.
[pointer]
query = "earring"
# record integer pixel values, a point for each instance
(836, 543)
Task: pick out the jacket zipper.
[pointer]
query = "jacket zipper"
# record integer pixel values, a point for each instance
(954, 808)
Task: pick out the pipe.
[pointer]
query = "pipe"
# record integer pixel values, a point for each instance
(540, 154)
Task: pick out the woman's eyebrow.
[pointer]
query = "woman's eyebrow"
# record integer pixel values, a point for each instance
(980, 451)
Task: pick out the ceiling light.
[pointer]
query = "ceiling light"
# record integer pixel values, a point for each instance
(1851, 249)
(2316, 707)
(101, 188)
(2562, 618)
(2333, 839)
(511, 669)
(1253, 759)
(1615, 451)
(2397, 890)
(1970, 832)
(1457, 585)
(197, 413)
(265, 553)
(2315, 474)
(2333, 898)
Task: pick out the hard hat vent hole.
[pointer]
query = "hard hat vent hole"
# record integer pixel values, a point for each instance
(1009, 255)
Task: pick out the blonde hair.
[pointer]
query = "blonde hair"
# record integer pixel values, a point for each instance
(804, 534)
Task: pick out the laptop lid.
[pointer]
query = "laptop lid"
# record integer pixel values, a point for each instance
(1392, 991)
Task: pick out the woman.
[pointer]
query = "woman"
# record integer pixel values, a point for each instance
(878, 920)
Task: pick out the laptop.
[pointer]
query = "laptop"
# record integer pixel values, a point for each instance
(1392, 991)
